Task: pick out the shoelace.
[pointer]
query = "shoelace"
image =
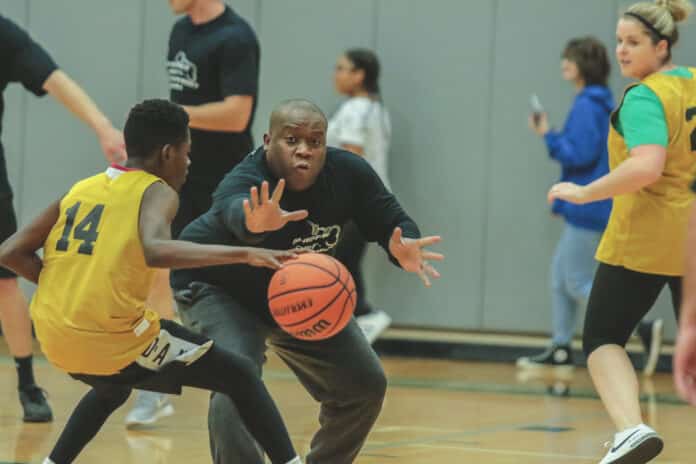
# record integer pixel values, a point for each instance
(147, 400)
(35, 393)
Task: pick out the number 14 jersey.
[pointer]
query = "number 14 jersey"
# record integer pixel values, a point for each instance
(89, 310)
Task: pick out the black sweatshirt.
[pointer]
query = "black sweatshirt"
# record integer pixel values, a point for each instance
(347, 189)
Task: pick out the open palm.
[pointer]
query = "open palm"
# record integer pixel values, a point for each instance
(412, 255)
(263, 213)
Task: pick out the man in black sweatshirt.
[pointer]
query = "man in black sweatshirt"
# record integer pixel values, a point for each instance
(315, 190)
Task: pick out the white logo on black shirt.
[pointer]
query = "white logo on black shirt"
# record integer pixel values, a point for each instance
(321, 240)
(182, 72)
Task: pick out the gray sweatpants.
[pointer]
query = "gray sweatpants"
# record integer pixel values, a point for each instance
(343, 373)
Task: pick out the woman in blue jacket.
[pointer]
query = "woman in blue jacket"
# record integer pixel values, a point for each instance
(581, 150)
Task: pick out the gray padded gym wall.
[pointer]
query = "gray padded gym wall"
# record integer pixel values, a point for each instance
(530, 37)
(300, 41)
(456, 77)
(98, 44)
(437, 62)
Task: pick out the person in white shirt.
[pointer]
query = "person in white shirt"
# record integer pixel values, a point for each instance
(361, 125)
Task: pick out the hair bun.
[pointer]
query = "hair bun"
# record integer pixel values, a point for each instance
(679, 9)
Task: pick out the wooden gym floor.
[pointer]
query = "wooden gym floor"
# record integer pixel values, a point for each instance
(435, 412)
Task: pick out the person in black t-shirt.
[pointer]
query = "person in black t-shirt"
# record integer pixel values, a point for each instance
(213, 67)
(315, 191)
(26, 62)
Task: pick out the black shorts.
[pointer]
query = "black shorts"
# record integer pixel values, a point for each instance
(8, 226)
(170, 376)
(620, 298)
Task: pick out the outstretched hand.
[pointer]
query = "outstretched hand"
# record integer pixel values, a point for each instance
(262, 213)
(412, 255)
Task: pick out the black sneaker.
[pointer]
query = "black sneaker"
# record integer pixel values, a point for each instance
(36, 408)
(650, 334)
(556, 356)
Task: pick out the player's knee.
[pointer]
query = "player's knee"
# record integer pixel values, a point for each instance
(590, 343)
(373, 385)
(112, 398)
(222, 414)
(579, 288)
(243, 365)
(557, 281)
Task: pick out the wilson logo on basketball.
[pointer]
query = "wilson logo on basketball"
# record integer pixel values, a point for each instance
(312, 297)
(313, 331)
(292, 308)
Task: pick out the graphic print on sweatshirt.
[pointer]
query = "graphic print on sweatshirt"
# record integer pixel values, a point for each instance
(182, 72)
(321, 239)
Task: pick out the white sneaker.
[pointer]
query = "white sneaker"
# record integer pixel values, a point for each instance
(636, 445)
(148, 407)
(373, 324)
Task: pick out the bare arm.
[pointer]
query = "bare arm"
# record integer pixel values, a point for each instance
(642, 168)
(685, 351)
(157, 211)
(19, 251)
(688, 310)
(230, 115)
(70, 95)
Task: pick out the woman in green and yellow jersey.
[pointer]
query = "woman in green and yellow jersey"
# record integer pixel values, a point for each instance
(652, 155)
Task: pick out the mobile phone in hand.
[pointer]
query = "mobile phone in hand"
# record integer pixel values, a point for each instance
(537, 108)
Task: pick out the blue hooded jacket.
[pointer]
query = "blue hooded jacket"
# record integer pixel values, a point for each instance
(581, 149)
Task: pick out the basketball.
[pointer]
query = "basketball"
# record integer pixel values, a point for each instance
(312, 297)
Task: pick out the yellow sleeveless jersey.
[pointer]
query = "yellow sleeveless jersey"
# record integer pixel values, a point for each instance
(89, 310)
(647, 229)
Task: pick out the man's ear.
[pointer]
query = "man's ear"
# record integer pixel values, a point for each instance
(266, 141)
(166, 152)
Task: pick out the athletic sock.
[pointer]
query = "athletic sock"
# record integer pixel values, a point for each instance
(25, 371)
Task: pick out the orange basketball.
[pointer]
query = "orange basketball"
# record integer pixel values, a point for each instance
(312, 297)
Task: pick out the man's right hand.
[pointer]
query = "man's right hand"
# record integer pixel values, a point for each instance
(273, 259)
(264, 214)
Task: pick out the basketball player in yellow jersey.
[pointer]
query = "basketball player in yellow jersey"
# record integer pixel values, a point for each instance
(652, 155)
(101, 242)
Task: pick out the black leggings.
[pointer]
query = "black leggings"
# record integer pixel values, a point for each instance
(219, 371)
(620, 298)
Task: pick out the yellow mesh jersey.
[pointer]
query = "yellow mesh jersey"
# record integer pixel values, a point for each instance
(647, 229)
(89, 310)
